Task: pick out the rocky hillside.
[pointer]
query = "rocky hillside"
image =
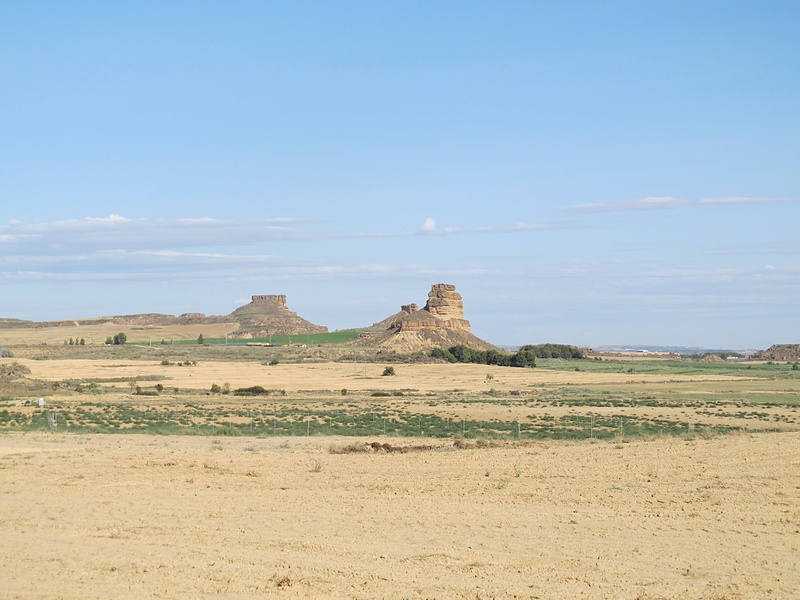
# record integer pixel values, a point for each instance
(263, 316)
(780, 353)
(268, 315)
(440, 324)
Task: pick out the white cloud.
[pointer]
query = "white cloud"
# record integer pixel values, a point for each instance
(667, 202)
(429, 226)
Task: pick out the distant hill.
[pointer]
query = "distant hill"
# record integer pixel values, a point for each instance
(263, 316)
(690, 350)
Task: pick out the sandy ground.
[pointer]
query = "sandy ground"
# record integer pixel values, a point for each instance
(110, 516)
(338, 375)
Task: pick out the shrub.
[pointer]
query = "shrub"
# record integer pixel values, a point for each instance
(254, 390)
(388, 372)
(117, 340)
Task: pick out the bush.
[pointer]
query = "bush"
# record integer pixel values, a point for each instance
(117, 340)
(255, 390)
(388, 372)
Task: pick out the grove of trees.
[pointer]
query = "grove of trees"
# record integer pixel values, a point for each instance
(525, 357)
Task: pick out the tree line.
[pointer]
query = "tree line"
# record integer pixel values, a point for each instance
(524, 357)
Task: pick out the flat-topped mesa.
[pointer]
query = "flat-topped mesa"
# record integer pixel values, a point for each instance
(278, 299)
(267, 314)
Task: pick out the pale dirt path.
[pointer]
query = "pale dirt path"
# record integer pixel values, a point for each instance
(176, 517)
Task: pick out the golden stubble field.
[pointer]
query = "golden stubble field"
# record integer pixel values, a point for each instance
(454, 391)
(335, 376)
(188, 516)
(133, 516)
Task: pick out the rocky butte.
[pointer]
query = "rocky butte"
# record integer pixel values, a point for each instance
(268, 315)
(440, 324)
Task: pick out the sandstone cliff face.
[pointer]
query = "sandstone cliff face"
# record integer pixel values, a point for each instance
(444, 310)
(440, 324)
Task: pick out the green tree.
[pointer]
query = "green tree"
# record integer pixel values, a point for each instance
(201, 339)
(120, 339)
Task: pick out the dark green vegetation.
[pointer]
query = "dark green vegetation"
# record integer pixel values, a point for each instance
(525, 357)
(117, 340)
(259, 418)
(465, 354)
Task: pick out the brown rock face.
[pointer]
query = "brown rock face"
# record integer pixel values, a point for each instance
(780, 352)
(274, 299)
(447, 308)
(440, 324)
(268, 314)
(445, 302)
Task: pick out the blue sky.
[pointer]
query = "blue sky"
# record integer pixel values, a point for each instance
(583, 172)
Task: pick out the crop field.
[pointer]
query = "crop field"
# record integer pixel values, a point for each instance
(603, 399)
(304, 471)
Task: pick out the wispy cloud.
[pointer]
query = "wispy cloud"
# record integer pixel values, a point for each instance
(668, 202)
(116, 231)
(429, 227)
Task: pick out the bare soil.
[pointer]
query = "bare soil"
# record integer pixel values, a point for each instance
(129, 516)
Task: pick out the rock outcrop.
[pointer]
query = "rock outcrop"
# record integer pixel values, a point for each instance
(440, 324)
(268, 315)
(780, 353)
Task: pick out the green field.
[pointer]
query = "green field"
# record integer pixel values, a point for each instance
(331, 337)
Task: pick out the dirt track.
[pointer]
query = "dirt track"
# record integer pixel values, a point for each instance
(185, 517)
